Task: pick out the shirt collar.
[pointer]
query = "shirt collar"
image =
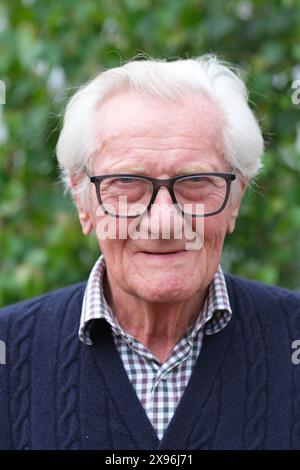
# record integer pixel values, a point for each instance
(214, 316)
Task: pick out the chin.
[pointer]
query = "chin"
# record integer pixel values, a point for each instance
(167, 290)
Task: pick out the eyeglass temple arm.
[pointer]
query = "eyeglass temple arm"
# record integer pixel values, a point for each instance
(86, 171)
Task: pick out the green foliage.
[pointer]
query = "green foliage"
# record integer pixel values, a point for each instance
(48, 49)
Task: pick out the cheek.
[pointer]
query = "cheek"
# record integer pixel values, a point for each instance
(215, 229)
(111, 236)
(108, 228)
(210, 230)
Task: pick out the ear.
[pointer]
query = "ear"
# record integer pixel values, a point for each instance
(235, 203)
(85, 220)
(84, 214)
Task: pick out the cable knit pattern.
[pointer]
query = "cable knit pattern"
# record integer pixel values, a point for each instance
(293, 316)
(22, 332)
(210, 411)
(256, 405)
(67, 380)
(57, 393)
(206, 433)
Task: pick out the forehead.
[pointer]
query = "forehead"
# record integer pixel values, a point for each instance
(140, 129)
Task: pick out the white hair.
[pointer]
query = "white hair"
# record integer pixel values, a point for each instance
(242, 137)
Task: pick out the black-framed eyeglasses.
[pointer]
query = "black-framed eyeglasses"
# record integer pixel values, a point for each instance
(195, 194)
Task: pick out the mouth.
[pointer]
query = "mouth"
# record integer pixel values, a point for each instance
(162, 252)
(164, 255)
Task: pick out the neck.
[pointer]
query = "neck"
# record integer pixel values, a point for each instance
(157, 325)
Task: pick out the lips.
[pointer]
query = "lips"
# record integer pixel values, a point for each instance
(164, 258)
(162, 252)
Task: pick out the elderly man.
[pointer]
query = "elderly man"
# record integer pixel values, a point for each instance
(158, 349)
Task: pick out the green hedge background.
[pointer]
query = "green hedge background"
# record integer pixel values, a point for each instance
(48, 49)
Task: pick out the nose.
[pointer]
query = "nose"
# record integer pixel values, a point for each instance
(164, 220)
(163, 196)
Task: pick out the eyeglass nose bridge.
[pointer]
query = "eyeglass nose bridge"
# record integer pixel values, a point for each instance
(164, 183)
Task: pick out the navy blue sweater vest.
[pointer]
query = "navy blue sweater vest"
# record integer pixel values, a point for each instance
(57, 393)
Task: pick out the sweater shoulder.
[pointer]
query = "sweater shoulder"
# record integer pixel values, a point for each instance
(48, 301)
(265, 296)
(261, 288)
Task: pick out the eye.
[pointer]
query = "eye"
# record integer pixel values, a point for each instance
(122, 180)
(196, 179)
(126, 179)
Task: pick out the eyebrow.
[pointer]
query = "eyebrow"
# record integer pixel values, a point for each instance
(131, 170)
(196, 169)
(178, 171)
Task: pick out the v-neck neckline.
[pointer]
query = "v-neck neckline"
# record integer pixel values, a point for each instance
(110, 368)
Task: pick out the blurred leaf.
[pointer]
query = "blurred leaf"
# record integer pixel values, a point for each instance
(47, 49)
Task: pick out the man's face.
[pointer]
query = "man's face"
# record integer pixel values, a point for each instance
(160, 139)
